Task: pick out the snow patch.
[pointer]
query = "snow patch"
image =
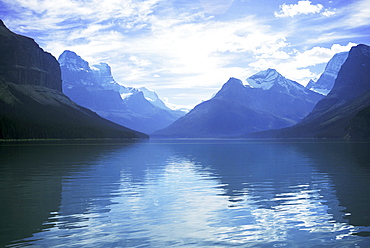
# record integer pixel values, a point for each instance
(126, 95)
(321, 91)
(263, 79)
(149, 94)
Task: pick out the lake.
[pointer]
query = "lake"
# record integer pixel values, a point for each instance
(185, 193)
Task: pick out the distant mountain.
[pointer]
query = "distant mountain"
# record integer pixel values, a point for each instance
(32, 104)
(86, 86)
(94, 88)
(345, 111)
(268, 101)
(326, 81)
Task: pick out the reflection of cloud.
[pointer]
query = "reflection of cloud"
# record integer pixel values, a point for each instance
(183, 198)
(187, 203)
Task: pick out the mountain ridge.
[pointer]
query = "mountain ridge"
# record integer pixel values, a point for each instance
(238, 108)
(327, 79)
(95, 88)
(343, 113)
(32, 105)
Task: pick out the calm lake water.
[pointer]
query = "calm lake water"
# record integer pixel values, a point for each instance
(185, 193)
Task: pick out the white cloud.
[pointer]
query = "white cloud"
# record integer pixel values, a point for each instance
(356, 14)
(59, 14)
(328, 13)
(151, 43)
(318, 55)
(295, 67)
(302, 7)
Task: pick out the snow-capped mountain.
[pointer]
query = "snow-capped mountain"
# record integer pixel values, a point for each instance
(265, 80)
(345, 111)
(32, 105)
(326, 81)
(153, 98)
(73, 62)
(94, 87)
(269, 78)
(268, 101)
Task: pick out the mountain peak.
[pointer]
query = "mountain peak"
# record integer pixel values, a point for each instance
(326, 81)
(103, 71)
(356, 65)
(68, 54)
(364, 49)
(74, 62)
(232, 83)
(232, 88)
(233, 80)
(264, 79)
(103, 68)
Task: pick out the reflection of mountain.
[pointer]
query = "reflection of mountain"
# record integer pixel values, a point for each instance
(210, 193)
(31, 181)
(251, 163)
(335, 172)
(347, 166)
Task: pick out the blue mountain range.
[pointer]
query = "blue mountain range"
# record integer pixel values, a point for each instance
(94, 87)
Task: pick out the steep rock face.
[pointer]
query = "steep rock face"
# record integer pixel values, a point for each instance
(268, 102)
(82, 84)
(32, 104)
(343, 110)
(22, 61)
(326, 81)
(359, 125)
(94, 88)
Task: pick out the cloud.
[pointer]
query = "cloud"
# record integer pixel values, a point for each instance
(318, 55)
(177, 46)
(62, 14)
(302, 7)
(216, 6)
(295, 67)
(328, 13)
(357, 14)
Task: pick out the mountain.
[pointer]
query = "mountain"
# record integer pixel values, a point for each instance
(326, 81)
(94, 88)
(345, 111)
(268, 101)
(32, 104)
(85, 86)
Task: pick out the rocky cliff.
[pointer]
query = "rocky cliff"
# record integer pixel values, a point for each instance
(22, 61)
(32, 105)
(344, 112)
(327, 79)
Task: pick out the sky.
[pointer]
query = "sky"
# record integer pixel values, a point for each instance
(185, 50)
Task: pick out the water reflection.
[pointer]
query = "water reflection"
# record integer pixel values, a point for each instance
(187, 193)
(31, 181)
